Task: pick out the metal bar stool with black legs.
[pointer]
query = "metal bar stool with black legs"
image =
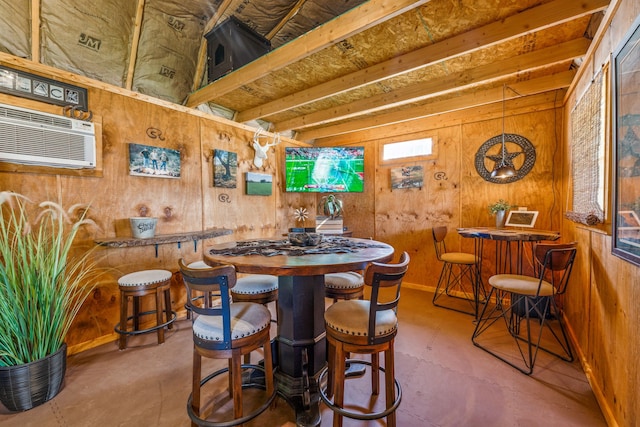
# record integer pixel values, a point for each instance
(456, 267)
(365, 327)
(156, 283)
(521, 321)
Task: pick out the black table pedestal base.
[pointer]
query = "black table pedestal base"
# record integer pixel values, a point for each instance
(303, 396)
(301, 344)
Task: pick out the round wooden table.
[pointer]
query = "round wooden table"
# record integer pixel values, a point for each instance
(301, 344)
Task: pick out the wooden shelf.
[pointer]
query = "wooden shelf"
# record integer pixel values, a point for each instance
(160, 239)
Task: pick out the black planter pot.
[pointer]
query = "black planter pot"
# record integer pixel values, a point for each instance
(23, 387)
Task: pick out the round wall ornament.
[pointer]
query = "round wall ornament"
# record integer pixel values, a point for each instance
(526, 150)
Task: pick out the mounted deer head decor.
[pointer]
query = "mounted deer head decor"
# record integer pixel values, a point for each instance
(262, 150)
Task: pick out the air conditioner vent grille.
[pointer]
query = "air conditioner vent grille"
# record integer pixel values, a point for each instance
(30, 137)
(35, 117)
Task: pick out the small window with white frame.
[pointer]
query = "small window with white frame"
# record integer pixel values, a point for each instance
(414, 149)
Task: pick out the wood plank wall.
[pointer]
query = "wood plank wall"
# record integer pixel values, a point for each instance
(602, 301)
(453, 193)
(190, 203)
(601, 304)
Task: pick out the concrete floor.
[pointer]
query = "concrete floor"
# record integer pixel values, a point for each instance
(446, 381)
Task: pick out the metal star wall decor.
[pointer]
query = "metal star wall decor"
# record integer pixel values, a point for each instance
(482, 158)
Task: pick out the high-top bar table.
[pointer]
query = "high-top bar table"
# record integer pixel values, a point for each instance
(301, 343)
(504, 237)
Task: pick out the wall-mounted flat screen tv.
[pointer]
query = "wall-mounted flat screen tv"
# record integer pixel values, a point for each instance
(324, 169)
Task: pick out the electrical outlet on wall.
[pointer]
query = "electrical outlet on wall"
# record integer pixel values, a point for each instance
(522, 208)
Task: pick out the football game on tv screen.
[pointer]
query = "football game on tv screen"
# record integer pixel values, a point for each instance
(324, 169)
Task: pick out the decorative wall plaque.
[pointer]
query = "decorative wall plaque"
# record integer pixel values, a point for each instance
(484, 159)
(26, 85)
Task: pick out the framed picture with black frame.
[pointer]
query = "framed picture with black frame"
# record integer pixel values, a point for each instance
(626, 147)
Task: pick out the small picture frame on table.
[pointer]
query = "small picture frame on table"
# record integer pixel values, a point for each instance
(522, 219)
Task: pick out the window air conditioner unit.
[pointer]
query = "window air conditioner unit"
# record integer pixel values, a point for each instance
(36, 138)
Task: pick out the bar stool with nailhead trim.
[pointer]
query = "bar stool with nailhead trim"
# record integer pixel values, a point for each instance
(365, 327)
(230, 331)
(139, 284)
(258, 288)
(344, 286)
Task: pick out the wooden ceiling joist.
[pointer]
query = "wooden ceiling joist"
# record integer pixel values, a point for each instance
(530, 87)
(135, 41)
(294, 10)
(35, 30)
(536, 18)
(356, 20)
(485, 74)
(393, 131)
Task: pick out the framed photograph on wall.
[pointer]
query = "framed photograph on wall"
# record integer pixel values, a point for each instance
(146, 160)
(225, 169)
(258, 184)
(407, 177)
(626, 147)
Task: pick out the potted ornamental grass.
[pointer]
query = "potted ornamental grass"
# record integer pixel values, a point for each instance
(42, 287)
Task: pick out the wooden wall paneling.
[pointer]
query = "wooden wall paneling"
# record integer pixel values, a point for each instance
(535, 191)
(359, 208)
(609, 346)
(609, 339)
(117, 196)
(404, 217)
(577, 301)
(443, 199)
(248, 216)
(176, 202)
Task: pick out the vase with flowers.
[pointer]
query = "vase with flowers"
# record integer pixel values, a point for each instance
(499, 209)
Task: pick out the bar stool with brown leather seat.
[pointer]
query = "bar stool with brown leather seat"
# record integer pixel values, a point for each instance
(344, 286)
(228, 331)
(139, 284)
(365, 327)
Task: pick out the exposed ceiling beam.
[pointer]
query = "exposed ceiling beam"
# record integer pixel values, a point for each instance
(352, 22)
(35, 30)
(485, 74)
(524, 105)
(530, 87)
(536, 18)
(135, 41)
(294, 10)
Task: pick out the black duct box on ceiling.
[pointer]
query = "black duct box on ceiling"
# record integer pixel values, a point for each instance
(231, 45)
